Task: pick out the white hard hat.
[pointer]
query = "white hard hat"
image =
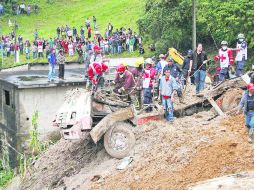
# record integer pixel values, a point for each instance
(149, 61)
(161, 56)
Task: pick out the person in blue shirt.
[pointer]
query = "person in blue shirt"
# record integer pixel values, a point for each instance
(168, 87)
(52, 65)
(175, 72)
(247, 104)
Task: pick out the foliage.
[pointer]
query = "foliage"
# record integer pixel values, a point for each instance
(168, 23)
(6, 174)
(34, 144)
(122, 13)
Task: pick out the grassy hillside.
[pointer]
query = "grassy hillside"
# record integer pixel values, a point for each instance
(74, 13)
(121, 13)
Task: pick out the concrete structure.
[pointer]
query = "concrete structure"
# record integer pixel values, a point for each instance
(22, 94)
(25, 89)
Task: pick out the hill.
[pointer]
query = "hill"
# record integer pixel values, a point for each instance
(122, 13)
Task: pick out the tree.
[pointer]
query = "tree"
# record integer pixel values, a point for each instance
(167, 23)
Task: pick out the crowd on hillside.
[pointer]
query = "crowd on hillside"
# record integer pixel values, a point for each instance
(74, 41)
(18, 9)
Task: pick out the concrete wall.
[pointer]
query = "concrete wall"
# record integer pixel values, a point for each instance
(44, 100)
(8, 122)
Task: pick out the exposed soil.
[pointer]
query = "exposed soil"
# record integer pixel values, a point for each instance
(166, 156)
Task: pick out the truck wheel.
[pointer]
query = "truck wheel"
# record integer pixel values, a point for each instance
(119, 140)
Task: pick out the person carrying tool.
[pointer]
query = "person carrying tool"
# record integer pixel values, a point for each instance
(97, 68)
(199, 65)
(187, 67)
(225, 56)
(97, 55)
(167, 89)
(247, 104)
(148, 77)
(124, 83)
(137, 72)
(95, 73)
(241, 54)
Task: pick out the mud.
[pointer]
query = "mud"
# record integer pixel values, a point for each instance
(166, 156)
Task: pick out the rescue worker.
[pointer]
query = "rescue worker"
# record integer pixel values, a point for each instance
(241, 54)
(95, 73)
(137, 72)
(247, 104)
(187, 67)
(97, 55)
(225, 56)
(148, 78)
(124, 83)
(175, 72)
(159, 68)
(97, 68)
(167, 88)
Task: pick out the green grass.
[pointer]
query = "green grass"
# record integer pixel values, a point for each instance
(121, 13)
(5, 175)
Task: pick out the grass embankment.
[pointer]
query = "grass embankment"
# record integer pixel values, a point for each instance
(123, 13)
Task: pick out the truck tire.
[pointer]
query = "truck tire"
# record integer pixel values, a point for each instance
(119, 140)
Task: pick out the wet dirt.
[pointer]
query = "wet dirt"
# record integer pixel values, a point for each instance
(166, 156)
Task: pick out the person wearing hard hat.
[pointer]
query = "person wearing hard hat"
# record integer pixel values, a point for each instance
(241, 54)
(137, 72)
(159, 68)
(161, 64)
(124, 82)
(97, 56)
(225, 56)
(247, 104)
(148, 77)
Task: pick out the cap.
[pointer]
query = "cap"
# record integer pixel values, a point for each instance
(240, 36)
(224, 43)
(149, 61)
(170, 59)
(189, 52)
(96, 47)
(161, 56)
(250, 86)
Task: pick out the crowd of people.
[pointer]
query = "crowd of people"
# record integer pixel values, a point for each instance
(74, 41)
(165, 75)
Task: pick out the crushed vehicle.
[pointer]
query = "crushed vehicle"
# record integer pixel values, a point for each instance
(103, 114)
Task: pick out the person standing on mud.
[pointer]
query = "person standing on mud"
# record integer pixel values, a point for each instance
(187, 67)
(247, 104)
(167, 89)
(199, 65)
(148, 78)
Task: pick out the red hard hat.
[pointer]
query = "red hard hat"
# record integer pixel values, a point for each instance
(96, 48)
(250, 86)
(120, 68)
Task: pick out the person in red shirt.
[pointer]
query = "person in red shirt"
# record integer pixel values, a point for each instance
(148, 77)
(95, 74)
(89, 31)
